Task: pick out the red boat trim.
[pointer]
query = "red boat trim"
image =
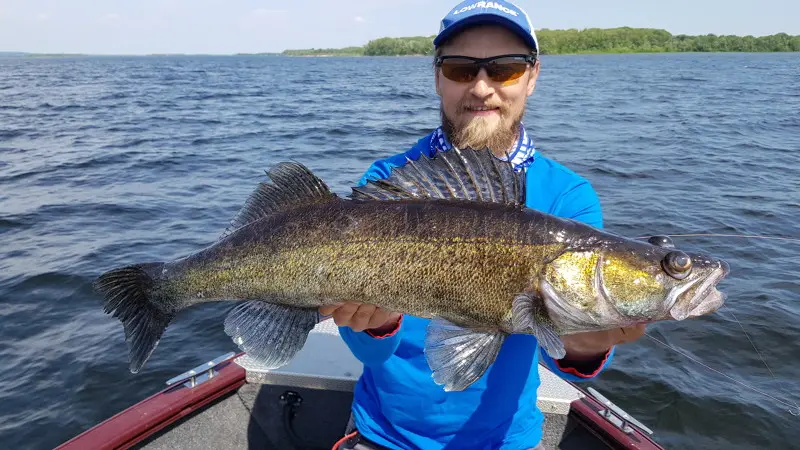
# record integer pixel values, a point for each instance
(151, 415)
(586, 410)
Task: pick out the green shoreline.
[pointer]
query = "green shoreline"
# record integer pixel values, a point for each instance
(585, 41)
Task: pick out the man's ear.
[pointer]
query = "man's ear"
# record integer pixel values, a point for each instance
(436, 81)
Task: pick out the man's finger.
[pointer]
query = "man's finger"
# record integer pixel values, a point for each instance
(327, 310)
(344, 314)
(360, 320)
(379, 317)
(630, 334)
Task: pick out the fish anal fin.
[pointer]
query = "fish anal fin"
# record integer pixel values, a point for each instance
(271, 334)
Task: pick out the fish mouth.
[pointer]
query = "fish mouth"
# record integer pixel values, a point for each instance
(708, 304)
(707, 299)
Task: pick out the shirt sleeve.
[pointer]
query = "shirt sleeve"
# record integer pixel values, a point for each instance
(381, 169)
(580, 203)
(372, 349)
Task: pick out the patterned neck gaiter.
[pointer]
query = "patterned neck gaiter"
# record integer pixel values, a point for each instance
(521, 157)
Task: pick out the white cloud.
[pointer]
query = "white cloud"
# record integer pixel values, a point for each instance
(43, 16)
(359, 19)
(111, 16)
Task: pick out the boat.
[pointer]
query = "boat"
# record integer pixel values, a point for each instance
(232, 403)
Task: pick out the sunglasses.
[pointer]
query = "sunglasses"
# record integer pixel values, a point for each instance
(502, 68)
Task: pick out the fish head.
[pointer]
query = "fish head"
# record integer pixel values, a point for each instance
(615, 282)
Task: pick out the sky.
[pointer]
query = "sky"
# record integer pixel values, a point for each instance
(251, 26)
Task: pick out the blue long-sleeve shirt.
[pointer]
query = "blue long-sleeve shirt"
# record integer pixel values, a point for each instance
(396, 402)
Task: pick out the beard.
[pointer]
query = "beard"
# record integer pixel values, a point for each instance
(482, 132)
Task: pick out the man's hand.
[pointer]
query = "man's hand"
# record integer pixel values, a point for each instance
(593, 345)
(362, 316)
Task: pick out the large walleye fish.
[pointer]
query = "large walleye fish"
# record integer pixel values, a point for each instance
(447, 238)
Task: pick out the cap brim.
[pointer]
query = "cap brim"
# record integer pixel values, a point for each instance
(482, 19)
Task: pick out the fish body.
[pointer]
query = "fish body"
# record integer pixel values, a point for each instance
(446, 238)
(463, 261)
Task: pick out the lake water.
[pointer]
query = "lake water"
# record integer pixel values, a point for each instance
(111, 160)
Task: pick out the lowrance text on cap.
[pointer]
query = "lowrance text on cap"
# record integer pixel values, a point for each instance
(473, 12)
(486, 5)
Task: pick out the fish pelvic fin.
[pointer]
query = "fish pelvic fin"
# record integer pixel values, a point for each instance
(475, 175)
(292, 185)
(459, 356)
(271, 334)
(132, 297)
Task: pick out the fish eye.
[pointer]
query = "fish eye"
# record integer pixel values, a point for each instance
(677, 264)
(661, 241)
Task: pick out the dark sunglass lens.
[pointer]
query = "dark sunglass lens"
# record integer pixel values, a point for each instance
(505, 70)
(460, 70)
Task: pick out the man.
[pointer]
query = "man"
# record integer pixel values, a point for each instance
(396, 402)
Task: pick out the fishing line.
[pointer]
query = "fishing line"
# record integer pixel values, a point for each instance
(748, 236)
(792, 409)
(759, 354)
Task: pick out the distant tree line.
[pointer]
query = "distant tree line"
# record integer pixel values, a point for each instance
(347, 51)
(633, 40)
(590, 40)
(418, 45)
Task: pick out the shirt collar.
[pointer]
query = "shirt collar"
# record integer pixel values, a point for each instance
(521, 157)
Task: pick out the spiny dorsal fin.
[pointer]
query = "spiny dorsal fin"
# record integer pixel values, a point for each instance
(475, 175)
(292, 185)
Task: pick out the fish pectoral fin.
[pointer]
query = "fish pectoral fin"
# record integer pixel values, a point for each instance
(270, 334)
(529, 315)
(293, 185)
(459, 356)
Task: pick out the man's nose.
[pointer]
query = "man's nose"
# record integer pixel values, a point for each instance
(482, 86)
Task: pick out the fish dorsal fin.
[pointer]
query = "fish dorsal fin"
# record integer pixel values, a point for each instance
(292, 185)
(475, 175)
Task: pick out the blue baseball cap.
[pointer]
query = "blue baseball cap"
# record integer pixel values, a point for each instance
(471, 12)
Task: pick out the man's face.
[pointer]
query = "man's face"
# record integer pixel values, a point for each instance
(465, 117)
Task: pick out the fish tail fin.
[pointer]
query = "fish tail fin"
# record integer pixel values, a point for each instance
(132, 296)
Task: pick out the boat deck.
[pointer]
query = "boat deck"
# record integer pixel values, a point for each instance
(306, 405)
(252, 418)
(247, 418)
